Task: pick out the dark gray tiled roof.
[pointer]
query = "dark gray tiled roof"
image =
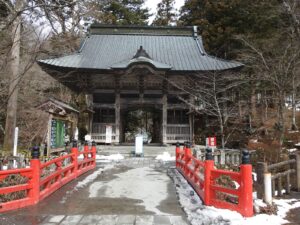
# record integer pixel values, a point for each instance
(175, 52)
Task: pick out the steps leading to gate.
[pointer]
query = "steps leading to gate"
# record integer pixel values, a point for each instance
(149, 150)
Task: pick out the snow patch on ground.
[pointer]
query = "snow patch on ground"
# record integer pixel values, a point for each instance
(254, 175)
(145, 184)
(199, 214)
(260, 203)
(106, 158)
(165, 157)
(90, 178)
(292, 150)
(285, 205)
(109, 158)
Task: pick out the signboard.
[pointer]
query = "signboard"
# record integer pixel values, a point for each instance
(211, 142)
(139, 145)
(57, 133)
(108, 134)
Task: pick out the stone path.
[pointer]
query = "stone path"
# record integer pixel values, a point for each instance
(113, 219)
(149, 151)
(293, 216)
(133, 191)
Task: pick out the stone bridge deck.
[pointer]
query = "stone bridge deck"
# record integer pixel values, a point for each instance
(132, 191)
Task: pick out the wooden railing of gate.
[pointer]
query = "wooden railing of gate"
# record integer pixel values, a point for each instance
(99, 132)
(204, 178)
(42, 179)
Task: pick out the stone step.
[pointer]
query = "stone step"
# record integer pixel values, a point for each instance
(114, 220)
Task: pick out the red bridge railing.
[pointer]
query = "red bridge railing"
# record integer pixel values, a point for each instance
(218, 188)
(42, 179)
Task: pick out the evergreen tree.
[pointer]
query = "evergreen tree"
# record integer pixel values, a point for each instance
(166, 13)
(122, 12)
(220, 21)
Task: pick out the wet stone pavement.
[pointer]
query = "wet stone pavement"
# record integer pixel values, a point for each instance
(134, 191)
(293, 216)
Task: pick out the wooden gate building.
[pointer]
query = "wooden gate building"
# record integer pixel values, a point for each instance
(125, 68)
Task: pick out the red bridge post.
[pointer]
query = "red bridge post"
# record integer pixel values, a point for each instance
(74, 151)
(246, 198)
(85, 150)
(208, 166)
(187, 158)
(34, 193)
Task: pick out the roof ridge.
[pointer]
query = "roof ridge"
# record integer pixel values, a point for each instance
(142, 30)
(98, 25)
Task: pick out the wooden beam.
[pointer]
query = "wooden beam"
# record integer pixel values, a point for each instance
(158, 91)
(137, 101)
(104, 91)
(104, 105)
(177, 106)
(129, 92)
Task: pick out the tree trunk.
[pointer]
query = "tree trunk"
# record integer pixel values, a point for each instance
(265, 106)
(294, 124)
(253, 104)
(14, 64)
(222, 136)
(281, 117)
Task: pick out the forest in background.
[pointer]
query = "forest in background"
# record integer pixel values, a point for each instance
(257, 103)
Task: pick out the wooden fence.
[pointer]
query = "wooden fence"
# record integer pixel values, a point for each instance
(284, 176)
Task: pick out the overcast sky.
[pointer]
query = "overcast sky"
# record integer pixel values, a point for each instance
(152, 4)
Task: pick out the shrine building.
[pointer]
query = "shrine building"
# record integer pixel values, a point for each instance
(127, 71)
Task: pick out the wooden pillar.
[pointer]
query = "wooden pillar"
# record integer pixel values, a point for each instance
(191, 119)
(117, 108)
(261, 169)
(164, 110)
(89, 104)
(296, 176)
(164, 118)
(141, 88)
(49, 135)
(117, 117)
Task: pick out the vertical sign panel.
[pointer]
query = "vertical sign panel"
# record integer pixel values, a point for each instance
(108, 134)
(57, 133)
(139, 145)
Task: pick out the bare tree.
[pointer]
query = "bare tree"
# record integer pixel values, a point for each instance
(14, 64)
(292, 9)
(276, 67)
(215, 95)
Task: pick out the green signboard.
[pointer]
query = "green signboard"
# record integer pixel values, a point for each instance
(57, 133)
